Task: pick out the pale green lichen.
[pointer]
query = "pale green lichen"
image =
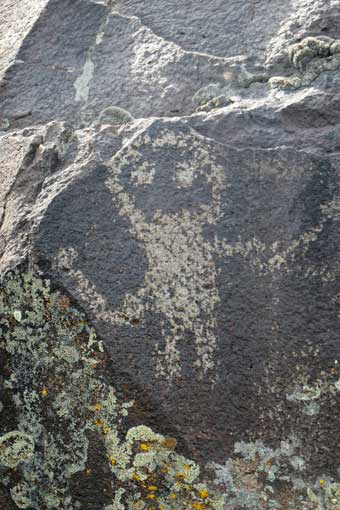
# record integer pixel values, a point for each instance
(311, 409)
(210, 97)
(216, 102)
(60, 397)
(312, 393)
(285, 83)
(4, 124)
(246, 79)
(53, 379)
(327, 498)
(115, 116)
(20, 495)
(310, 57)
(218, 95)
(154, 475)
(263, 478)
(15, 447)
(303, 53)
(305, 393)
(53, 358)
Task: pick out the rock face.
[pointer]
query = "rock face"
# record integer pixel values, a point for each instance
(172, 169)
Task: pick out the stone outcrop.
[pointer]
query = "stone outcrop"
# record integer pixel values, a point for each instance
(169, 238)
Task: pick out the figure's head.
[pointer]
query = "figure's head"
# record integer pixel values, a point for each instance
(167, 171)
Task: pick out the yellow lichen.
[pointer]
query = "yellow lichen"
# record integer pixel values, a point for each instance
(204, 494)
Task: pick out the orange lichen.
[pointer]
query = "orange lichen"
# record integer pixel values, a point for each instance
(169, 443)
(204, 494)
(64, 302)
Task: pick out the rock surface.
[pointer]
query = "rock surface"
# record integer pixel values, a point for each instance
(173, 169)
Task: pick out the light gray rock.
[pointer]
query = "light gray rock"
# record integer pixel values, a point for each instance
(16, 21)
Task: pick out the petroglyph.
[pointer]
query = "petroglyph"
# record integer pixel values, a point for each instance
(171, 194)
(180, 283)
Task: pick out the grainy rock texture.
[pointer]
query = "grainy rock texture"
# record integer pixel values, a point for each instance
(169, 244)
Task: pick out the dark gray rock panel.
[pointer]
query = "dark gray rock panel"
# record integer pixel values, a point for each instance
(170, 183)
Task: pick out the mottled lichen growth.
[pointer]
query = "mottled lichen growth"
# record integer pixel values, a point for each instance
(246, 79)
(60, 396)
(303, 53)
(261, 477)
(115, 116)
(264, 478)
(53, 379)
(328, 497)
(210, 97)
(15, 447)
(310, 394)
(310, 57)
(152, 475)
(4, 124)
(311, 390)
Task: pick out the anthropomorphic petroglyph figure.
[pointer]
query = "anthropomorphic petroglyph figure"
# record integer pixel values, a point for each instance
(180, 282)
(172, 188)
